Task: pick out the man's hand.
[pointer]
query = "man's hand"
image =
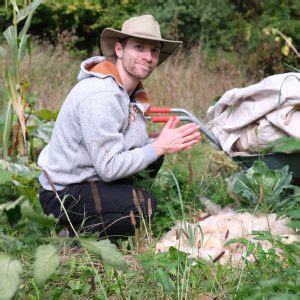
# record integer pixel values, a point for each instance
(172, 139)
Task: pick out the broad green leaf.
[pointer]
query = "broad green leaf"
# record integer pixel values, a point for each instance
(29, 9)
(19, 169)
(10, 270)
(40, 129)
(40, 218)
(164, 279)
(105, 250)
(11, 204)
(260, 185)
(45, 264)
(295, 224)
(295, 213)
(5, 176)
(285, 144)
(48, 115)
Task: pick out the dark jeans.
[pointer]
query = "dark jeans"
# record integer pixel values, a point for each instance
(102, 207)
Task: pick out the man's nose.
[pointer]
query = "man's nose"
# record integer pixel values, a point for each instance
(148, 55)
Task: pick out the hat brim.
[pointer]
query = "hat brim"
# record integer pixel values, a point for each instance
(110, 36)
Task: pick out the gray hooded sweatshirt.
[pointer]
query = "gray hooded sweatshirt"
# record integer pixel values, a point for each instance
(100, 133)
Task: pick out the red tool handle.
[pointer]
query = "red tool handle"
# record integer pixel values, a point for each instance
(160, 119)
(160, 110)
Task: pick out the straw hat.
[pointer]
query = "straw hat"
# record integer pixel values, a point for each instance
(144, 27)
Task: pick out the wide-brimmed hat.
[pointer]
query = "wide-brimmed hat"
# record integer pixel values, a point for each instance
(144, 27)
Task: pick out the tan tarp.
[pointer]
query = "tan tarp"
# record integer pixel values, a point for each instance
(245, 120)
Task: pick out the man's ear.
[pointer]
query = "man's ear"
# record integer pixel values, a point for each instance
(118, 49)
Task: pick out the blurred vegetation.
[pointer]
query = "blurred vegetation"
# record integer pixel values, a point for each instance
(261, 33)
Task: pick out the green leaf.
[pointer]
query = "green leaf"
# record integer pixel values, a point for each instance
(46, 114)
(40, 129)
(283, 145)
(22, 47)
(261, 185)
(11, 37)
(45, 264)
(10, 270)
(11, 204)
(19, 169)
(5, 176)
(3, 52)
(105, 250)
(14, 4)
(295, 224)
(25, 27)
(7, 129)
(164, 279)
(295, 213)
(40, 218)
(24, 13)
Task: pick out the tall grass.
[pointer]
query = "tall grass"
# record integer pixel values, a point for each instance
(191, 80)
(188, 79)
(52, 72)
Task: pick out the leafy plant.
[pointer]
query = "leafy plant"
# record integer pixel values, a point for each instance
(105, 250)
(18, 44)
(283, 145)
(274, 275)
(46, 262)
(10, 270)
(261, 186)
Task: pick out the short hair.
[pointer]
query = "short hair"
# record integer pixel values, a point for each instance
(123, 41)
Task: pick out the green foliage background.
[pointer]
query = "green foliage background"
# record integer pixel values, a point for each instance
(230, 25)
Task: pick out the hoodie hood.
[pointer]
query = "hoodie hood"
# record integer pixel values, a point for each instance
(98, 66)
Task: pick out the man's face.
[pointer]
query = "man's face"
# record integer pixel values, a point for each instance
(138, 57)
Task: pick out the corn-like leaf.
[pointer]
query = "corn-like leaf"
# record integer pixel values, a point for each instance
(26, 26)
(24, 13)
(15, 98)
(3, 52)
(14, 4)
(22, 47)
(11, 37)
(10, 270)
(7, 129)
(105, 250)
(46, 262)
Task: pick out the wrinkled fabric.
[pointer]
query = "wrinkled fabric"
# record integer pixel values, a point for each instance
(245, 120)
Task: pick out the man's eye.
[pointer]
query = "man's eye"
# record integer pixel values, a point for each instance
(155, 51)
(139, 47)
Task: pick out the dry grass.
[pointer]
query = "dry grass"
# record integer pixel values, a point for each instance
(185, 80)
(51, 73)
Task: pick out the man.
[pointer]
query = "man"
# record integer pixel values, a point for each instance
(100, 138)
